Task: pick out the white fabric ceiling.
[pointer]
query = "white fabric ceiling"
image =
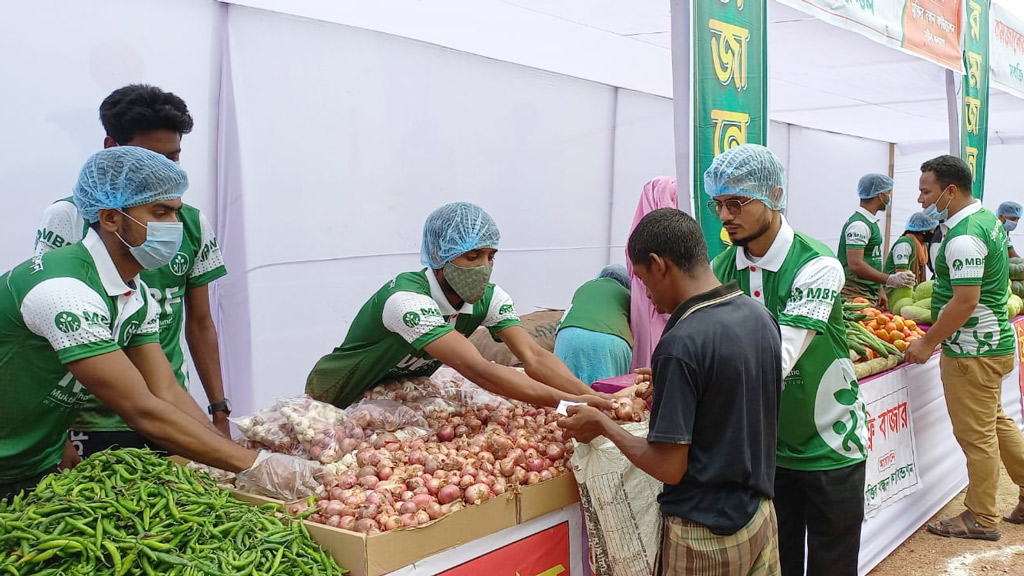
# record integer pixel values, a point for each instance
(821, 76)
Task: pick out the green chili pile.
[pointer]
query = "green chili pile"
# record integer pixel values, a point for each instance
(130, 511)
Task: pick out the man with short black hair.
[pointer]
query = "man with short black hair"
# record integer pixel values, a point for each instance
(717, 377)
(150, 118)
(819, 480)
(969, 306)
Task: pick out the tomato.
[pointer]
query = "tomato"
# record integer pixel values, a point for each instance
(883, 335)
(896, 335)
(901, 345)
(887, 315)
(872, 312)
(890, 326)
(898, 322)
(861, 300)
(910, 324)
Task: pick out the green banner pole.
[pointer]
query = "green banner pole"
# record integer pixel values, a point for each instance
(974, 109)
(730, 92)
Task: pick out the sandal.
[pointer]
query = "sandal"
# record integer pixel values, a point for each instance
(963, 526)
(1017, 515)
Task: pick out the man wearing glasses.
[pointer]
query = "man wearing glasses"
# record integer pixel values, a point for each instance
(822, 437)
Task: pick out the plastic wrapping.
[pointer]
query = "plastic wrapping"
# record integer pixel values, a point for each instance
(384, 415)
(270, 428)
(462, 394)
(326, 432)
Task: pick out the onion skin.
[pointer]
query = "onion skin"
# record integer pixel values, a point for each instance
(448, 494)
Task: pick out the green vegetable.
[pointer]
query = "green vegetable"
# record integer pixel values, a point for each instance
(917, 314)
(895, 308)
(923, 290)
(897, 294)
(130, 512)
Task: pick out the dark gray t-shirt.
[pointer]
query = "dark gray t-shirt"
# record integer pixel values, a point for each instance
(717, 375)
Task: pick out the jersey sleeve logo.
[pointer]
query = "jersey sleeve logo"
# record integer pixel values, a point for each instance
(179, 264)
(506, 309)
(411, 319)
(958, 265)
(67, 322)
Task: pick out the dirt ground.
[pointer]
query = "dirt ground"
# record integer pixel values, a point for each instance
(925, 553)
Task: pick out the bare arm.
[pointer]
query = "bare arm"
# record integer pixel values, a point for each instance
(458, 352)
(855, 261)
(156, 406)
(665, 462)
(540, 364)
(201, 335)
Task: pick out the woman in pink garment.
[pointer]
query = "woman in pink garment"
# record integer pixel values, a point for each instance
(644, 321)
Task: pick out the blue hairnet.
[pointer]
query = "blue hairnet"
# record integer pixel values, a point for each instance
(1010, 209)
(454, 229)
(750, 171)
(872, 185)
(126, 176)
(920, 223)
(616, 272)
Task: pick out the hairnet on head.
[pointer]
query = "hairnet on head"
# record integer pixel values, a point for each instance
(750, 171)
(871, 185)
(616, 272)
(1010, 209)
(454, 229)
(126, 176)
(920, 223)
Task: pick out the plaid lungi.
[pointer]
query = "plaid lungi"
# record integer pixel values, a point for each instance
(691, 549)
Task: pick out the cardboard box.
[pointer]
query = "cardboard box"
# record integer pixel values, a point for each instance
(388, 551)
(546, 497)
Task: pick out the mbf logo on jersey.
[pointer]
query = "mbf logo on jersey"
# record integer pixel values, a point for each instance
(67, 322)
(130, 330)
(179, 264)
(68, 393)
(411, 319)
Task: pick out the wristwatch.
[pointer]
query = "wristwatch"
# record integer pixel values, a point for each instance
(222, 406)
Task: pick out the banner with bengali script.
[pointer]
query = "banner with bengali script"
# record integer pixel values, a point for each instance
(1006, 46)
(974, 109)
(1018, 328)
(730, 91)
(926, 28)
(891, 470)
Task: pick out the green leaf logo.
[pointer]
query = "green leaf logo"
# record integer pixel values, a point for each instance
(67, 322)
(958, 265)
(411, 319)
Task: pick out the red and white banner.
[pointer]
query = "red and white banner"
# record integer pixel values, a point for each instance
(892, 452)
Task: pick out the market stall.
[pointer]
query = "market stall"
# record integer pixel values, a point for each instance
(914, 453)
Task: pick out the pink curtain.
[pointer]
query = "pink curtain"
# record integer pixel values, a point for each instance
(644, 321)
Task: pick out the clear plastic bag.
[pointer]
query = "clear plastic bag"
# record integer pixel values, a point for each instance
(270, 428)
(463, 394)
(384, 415)
(325, 431)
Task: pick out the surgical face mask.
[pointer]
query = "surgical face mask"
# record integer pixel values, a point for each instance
(468, 283)
(936, 214)
(162, 242)
(1010, 225)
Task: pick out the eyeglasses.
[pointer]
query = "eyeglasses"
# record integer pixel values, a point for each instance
(733, 205)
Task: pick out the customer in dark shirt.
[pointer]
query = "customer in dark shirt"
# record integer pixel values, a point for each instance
(717, 375)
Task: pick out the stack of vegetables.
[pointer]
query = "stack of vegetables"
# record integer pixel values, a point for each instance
(131, 512)
(1017, 277)
(877, 339)
(915, 305)
(414, 450)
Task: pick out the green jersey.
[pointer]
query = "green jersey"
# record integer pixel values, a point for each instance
(197, 263)
(57, 308)
(600, 305)
(861, 231)
(822, 419)
(974, 253)
(387, 337)
(901, 256)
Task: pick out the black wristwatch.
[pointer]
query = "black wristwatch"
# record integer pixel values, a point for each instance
(222, 406)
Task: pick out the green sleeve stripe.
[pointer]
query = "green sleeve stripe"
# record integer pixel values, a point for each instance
(967, 281)
(82, 351)
(204, 279)
(435, 333)
(140, 339)
(803, 322)
(494, 330)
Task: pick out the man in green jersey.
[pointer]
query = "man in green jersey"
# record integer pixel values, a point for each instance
(969, 306)
(1009, 214)
(145, 116)
(860, 244)
(822, 438)
(419, 320)
(909, 252)
(80, 320)
(593, 337)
